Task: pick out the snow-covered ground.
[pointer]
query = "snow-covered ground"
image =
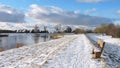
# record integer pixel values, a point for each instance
(111, 50)
(32, 56)
(76, 54)
(71, 51)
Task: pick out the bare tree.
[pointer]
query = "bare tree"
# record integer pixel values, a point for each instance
(36, 28)
(45, 28)
(58, 28)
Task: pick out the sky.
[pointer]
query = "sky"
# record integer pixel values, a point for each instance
(79, 12)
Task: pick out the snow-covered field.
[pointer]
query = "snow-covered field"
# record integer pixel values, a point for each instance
(71, 51)
(111, 51)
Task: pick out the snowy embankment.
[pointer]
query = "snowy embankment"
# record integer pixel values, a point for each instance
(111, 50)
(32, 56)
(76, 54)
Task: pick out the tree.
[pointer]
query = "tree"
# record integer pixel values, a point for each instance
(58, 28)
(36, 29)
(109, 29)
(112, 30)
(32, 31)
(68, 29)
(118, 30)
(45, 28)
(101, 29)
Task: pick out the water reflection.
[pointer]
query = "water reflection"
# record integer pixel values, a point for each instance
(18, 40)
(36, 37)
(45, 37)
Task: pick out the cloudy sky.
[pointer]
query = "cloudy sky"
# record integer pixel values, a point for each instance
(77, 12)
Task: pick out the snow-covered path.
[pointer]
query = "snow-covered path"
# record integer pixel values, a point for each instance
(76, 54)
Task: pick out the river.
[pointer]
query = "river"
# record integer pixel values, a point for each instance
(22, 39)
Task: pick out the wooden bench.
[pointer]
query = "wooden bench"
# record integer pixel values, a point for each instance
(97, 51)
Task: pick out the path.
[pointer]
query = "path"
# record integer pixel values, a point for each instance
(76, 54)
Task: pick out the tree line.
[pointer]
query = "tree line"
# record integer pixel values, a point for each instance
(110, 29)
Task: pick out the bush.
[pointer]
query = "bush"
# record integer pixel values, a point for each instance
(101, 29)
(68, 29)
(109, 29)
(7, 31)
(78, 31)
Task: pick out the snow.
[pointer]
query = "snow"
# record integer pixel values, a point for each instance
(111, 50)
(30, 56)
(71, 51)
(76, 54)
(30, 26)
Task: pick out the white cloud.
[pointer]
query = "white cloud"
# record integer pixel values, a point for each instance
(118, 12)
(90, 11)
(77, 12)
(38, 9)
(90, 1)
(9, 14)
(35, 10)
(53, 15)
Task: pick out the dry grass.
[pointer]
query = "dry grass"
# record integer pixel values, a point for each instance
(1, 49)
(56, 36)
(19, 45)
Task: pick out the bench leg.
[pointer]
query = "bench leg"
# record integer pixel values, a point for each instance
(93, 51)
(97, 55)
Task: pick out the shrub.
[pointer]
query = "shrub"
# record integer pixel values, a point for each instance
(78, 31)
(109, 29)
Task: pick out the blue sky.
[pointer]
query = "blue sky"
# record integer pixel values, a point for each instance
(102, 8)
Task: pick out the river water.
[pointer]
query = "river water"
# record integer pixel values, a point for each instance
(24, 39)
